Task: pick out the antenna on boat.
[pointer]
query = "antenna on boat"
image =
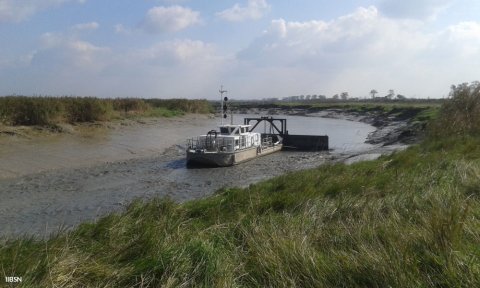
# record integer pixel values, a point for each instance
(223, 106)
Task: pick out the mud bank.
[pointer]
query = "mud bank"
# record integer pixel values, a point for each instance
(42, 203)
(391, 128)
(29, 150)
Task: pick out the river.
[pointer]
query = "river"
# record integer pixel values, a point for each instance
(54, 181)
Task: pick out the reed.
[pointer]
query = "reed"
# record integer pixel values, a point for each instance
(44, 111)
(16, 110)
(461, 114)
(184, 105)
(87, 109)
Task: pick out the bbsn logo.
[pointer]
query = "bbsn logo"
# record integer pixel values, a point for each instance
(12, 279)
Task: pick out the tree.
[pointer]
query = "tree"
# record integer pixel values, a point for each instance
(335, 96)
(373, 92)
(390, 94)
(344, 95)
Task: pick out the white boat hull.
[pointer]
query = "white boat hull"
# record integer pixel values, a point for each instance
(222, 159)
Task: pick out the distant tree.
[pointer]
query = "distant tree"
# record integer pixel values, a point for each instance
(302, 97)
(373, 93)
(401, 97)
(308, 97)
(344, 95)
(391, 94)
(322, 97)
(335, 97)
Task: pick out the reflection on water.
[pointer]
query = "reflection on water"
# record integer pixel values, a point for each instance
(344, 135)
(20, 156)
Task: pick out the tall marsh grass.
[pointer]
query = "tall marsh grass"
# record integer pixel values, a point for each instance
(30, 111)
(461, 114)
(21, 110)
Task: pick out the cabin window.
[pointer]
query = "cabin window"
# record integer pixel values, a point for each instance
(242, 130)
(224, 130)
(236, 142)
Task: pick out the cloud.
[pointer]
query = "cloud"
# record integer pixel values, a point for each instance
(255, 9)
(86, 26)
(169, 19)
(121, 29)
(174, 52)
(413, 9)
(67, 65)
(66, 50)
(358, 52)
(17, 11)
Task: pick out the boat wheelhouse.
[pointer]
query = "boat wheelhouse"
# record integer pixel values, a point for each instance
(232, 144)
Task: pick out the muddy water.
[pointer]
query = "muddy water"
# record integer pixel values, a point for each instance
(88, 146)
(63, 180)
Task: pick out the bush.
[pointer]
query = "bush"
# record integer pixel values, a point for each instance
(461, 114)
(19, 110)
(188, 106)
(87, 109)
(130, 104)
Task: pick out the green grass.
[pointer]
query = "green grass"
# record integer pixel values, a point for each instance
(410, 219)
(163, 112)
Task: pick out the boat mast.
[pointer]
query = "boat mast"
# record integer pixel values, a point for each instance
(221, 103)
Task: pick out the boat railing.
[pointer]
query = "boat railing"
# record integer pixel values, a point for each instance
(211, 144)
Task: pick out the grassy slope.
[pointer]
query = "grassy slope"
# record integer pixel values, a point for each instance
(406, 220)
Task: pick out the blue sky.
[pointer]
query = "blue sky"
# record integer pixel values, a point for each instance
(255, 48)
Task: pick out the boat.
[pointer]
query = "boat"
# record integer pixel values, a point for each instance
(231, 144)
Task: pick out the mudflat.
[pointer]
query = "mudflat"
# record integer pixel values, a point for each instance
(44, 189)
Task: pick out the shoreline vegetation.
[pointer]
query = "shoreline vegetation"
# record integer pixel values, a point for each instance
(410, 219)
(52, 111)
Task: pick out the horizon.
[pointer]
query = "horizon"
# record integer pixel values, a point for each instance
(256, 48)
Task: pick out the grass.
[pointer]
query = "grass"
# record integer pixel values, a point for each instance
(410, 219)
(49, 111)
(163, 112)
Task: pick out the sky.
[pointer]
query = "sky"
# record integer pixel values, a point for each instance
(254, 48)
